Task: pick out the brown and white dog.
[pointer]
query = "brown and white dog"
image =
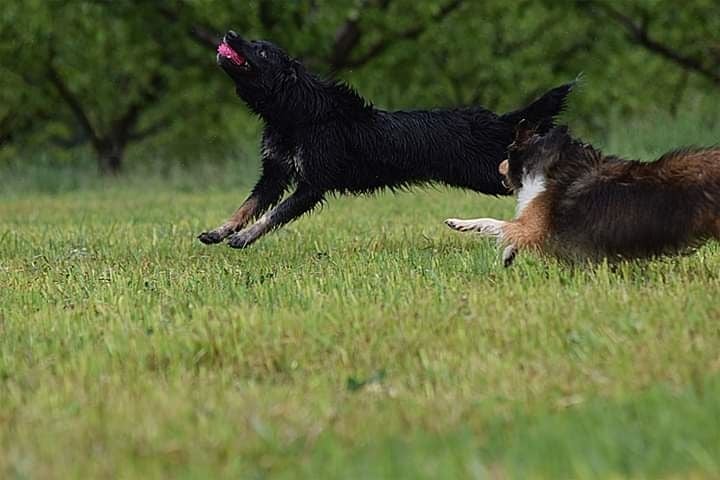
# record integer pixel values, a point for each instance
(578, 204)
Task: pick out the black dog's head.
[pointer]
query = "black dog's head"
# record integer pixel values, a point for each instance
(532, 154)
(262, 71)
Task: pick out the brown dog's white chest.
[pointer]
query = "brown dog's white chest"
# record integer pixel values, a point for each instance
(533, 185)
(531, 225)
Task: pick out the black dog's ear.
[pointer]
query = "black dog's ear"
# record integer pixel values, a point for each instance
(293, 70)
(524, 132)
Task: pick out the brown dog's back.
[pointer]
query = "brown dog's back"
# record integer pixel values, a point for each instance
(635, 209)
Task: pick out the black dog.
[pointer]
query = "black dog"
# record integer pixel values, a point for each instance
(321, 136)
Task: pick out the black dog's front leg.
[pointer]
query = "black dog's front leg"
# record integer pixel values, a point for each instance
(301, 201)
(266, 193)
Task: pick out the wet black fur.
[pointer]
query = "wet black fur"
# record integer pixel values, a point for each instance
(322, 137)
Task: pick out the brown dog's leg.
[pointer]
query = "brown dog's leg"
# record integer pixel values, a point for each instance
(529, 230)
(487, 227)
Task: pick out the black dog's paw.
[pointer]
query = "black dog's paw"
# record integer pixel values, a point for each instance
(210, 238)
(241, 239)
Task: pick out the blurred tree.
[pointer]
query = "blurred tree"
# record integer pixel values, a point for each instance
(96, 72)
(109, 75)
(679, 35)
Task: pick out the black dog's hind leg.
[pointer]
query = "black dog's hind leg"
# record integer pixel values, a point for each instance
(266, 193)
(301, 201)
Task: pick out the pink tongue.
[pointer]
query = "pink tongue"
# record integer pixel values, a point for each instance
(226, 51)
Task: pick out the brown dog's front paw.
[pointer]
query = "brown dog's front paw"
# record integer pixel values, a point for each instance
(210, 238)
(509, 255)
(455, 224)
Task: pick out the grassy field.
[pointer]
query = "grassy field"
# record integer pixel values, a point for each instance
(365, 341)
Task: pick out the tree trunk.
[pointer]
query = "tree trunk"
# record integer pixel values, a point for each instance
(110, 156)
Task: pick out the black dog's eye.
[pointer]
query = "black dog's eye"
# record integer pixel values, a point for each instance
(263, 53)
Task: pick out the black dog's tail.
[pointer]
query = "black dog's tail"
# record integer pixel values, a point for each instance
(542, 112)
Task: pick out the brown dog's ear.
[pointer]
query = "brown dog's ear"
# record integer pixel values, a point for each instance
(523, 132)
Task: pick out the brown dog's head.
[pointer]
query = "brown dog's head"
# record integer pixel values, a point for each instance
(530, 154)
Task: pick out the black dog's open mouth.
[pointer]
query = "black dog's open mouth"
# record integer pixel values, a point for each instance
(224, 50)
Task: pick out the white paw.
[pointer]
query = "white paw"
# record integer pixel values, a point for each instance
(485, 226)
(460, 225)
(509, 255)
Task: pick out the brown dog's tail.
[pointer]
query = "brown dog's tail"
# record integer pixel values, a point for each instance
(542, 112)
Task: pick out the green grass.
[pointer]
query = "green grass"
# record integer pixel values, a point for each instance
(365, 341)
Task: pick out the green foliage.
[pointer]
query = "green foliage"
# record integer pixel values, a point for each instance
(399, 53)
(112, 57)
